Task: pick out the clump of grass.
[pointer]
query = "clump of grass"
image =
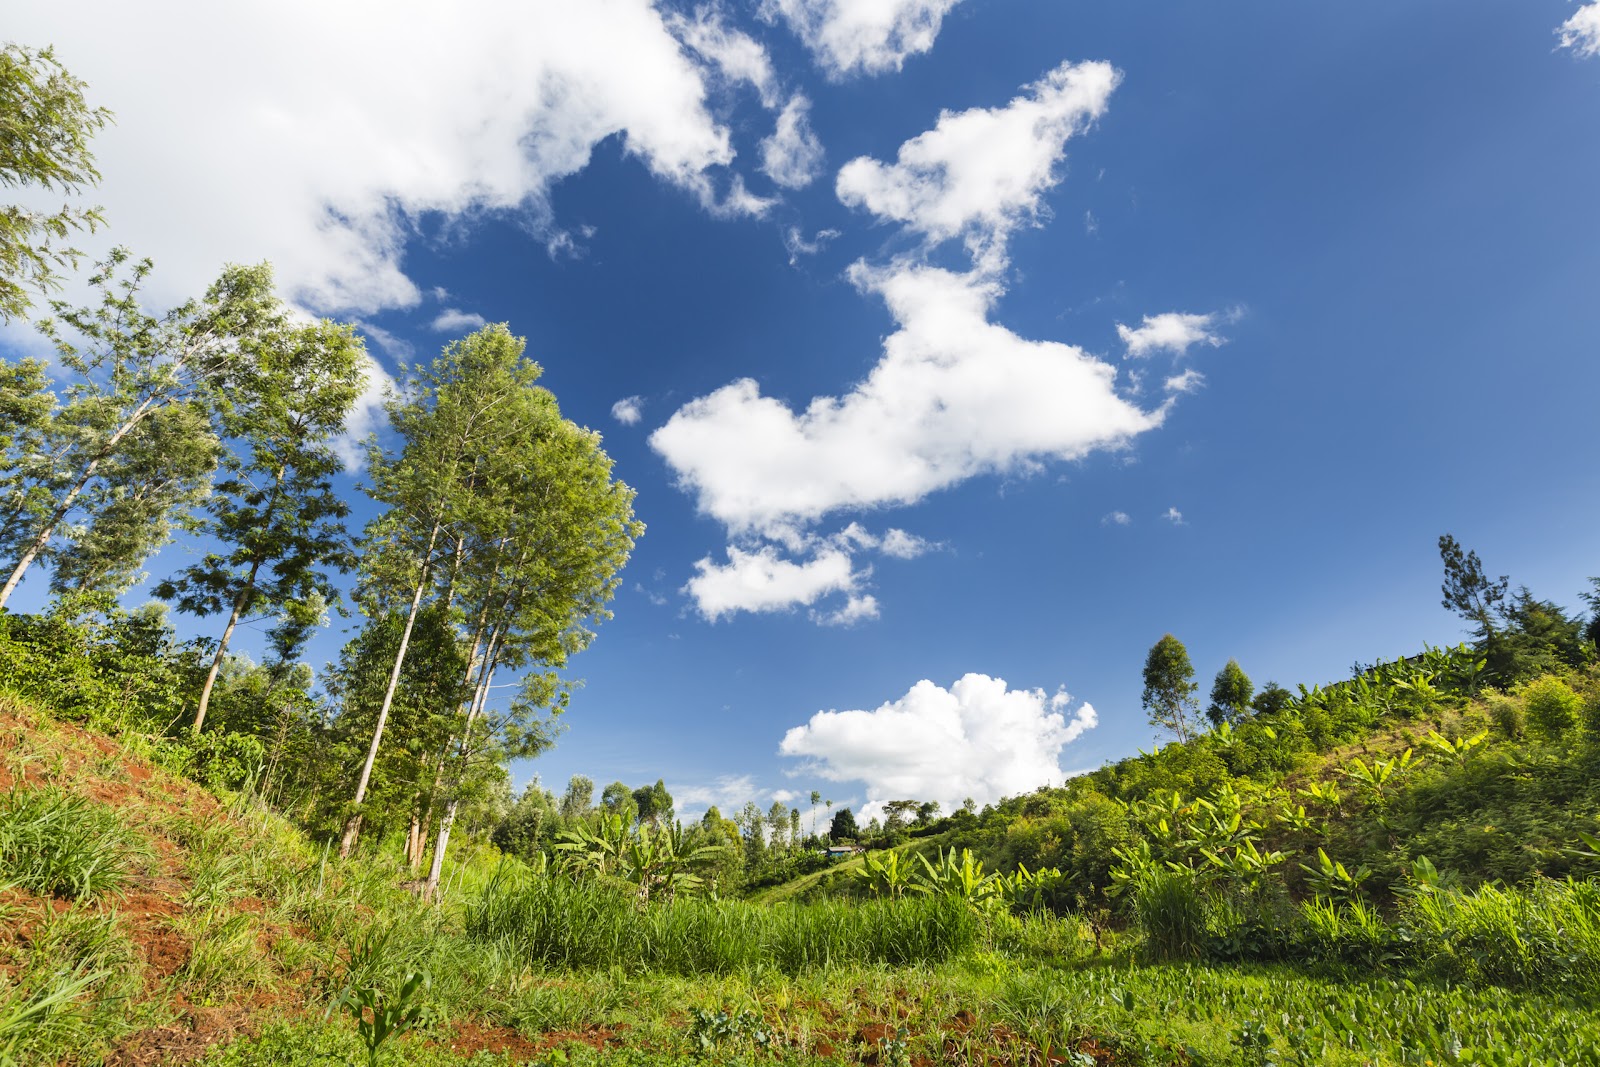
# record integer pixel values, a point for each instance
(1170, 912)
(56, 844)
(556, 923)
(69, 1000)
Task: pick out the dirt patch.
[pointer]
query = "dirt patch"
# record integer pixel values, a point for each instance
(199, 1030)
(469, 1038)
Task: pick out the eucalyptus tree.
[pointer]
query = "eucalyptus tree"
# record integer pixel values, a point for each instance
(45, 128)
(131, 372)
(1169, 687)
(1231, 692)
(540, 564)
(149, 487)
(276, 514)
(446, 415)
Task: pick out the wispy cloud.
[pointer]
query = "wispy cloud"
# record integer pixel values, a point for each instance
(1581, 32)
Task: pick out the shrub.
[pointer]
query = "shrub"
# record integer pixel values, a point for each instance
(1546, 935)
(56, 844)
(1552, 705)
(1507, 716)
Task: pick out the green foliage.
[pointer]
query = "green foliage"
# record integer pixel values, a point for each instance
(1552, 707)
(1169, 687)
(1231, 693)
(582, 925)
(45, 127)
(843, 826)
(1169, 909)
(380, 1015)
(58, 844)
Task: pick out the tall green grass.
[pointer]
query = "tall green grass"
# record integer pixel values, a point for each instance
(556, 923)
(56, 844)
(1546, 935)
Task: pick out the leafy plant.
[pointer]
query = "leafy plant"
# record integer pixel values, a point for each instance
(55, 843)
(380, 1016)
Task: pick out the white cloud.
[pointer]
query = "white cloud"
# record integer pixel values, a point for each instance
(452, 319)
(954, 396)
(978, 738)
(1171, 331)
(1174, 516)
(862, 36)
(795, 243)
(902, 545)
(857, 608)
(629, 410)
(1186, 382)
(728, 793)
(366, 416)
(762, 581)
(980, 173)
(1581, 32)
(792, 156)
(1116, 518)
(333, 149)
(785, 796)
(738, 56)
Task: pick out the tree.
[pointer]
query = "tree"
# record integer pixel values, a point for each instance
(618, 799)
(843, 826)
(1591, 633)
(1169, 687)
(653, 803)
(1468, 591)
(575, 801)
(137, 376)
(1230, 695)
(777, 824)
(45, 127)
(816, 798)
(1272, 699)
(277, 512)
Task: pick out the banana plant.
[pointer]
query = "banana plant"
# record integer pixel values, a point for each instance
(1377, 777)
(961, 877)
(1455, 752)
(1332, 880)
(1243, 863)
(598, 851)
(1025, 890)
(884, 873)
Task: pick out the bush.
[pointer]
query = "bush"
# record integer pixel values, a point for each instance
(1544, 936)
(55, 844)
(1507, 716)
(1552, 705)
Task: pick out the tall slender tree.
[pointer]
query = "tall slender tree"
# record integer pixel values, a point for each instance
(130, 368)
(1169, 687)
(277, 514)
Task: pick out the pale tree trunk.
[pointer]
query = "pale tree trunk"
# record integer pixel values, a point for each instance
(352, 826)
(239, 603)
(36, 546)
(447, 820)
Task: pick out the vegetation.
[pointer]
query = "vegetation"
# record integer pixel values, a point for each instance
(203, 859)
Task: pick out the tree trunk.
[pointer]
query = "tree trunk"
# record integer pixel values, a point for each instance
(479, 698)
(352, 826)
(239, 603)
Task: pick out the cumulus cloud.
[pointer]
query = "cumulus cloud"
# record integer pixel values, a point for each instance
(955, 395)
(978, 738)
(761, 580)
(336, 148)
(728, 793)
(1172, 331)
(736, 55)
(1581, 32)
(629, 410)
(856, 609)
(452, 319)
(1185, 382)
(980, 173)
(792, 156)
(862, 36)
(1116, 518)
(902, 545)
(1174, 516)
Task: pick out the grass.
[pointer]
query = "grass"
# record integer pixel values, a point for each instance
(54, 843)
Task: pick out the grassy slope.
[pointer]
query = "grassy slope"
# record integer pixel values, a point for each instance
(232, 933)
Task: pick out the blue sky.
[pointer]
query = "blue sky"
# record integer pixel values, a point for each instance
(967, 340)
